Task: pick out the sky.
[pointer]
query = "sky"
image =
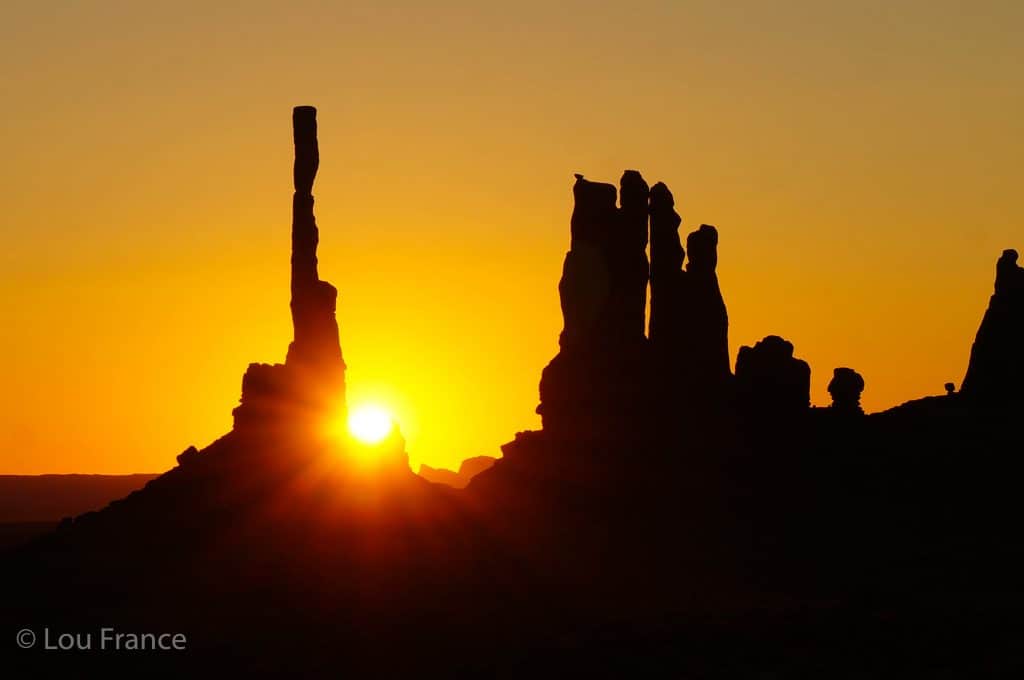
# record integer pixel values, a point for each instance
(861, 160)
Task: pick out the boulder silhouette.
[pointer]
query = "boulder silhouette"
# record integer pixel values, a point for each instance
(846, 387)
(770, 381)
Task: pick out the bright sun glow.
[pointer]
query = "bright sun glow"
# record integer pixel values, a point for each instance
(369, 424)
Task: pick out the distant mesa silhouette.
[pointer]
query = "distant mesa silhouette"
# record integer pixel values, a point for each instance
(441, 476)
(468, 469)
(50, 497)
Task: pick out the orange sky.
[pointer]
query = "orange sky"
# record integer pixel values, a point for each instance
(863, 165)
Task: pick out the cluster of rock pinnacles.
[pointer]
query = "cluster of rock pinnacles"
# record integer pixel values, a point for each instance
(611, 370)
(616, 371)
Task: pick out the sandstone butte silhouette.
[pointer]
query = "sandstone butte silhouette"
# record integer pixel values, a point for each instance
(671, 514)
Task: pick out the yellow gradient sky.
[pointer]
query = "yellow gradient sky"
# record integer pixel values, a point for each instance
(862, 160)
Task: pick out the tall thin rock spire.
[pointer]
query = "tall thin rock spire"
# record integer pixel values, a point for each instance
(311, 383)
(313, 301)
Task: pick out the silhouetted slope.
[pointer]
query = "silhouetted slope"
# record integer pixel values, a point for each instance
(996, 369)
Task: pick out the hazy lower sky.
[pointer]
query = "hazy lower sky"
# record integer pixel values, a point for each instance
(862, 161)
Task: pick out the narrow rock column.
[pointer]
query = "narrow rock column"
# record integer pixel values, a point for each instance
(689, 326)
(314, 356)
(628, 255)
(667, 275)
(586, 283)
(707, 322)
(309, 387)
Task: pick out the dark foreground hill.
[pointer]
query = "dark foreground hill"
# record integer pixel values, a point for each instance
(674, 516)
(834, 558)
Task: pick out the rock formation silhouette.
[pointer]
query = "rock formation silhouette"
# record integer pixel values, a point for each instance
(608, 379)
(310, 385)
(996, 368)
(770, 380)
(846, 387)
(689, 325)
(597, 382)
(707, 339)
(668, 280)
(649, 527)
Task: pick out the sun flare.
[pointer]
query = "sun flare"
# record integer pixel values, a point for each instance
(370, 424)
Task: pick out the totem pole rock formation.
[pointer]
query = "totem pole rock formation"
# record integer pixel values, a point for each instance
(311, 382)
(996, 368)
(770, 380)
(597, 380)
(316, 346)
(846, 387)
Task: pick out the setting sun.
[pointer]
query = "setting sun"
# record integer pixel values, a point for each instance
(370, 424)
